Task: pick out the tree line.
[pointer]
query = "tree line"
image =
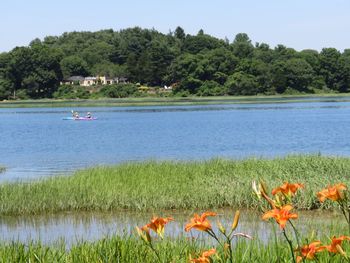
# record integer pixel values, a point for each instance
(198, 64)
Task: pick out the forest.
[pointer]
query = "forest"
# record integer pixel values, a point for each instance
(200, 65)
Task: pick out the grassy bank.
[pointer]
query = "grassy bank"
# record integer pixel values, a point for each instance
(131, 250)
(148, 101)
(155, 186)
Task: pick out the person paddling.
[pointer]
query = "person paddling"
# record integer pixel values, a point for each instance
(75, 114)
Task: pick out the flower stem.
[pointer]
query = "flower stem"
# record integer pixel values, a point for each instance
(290, 244)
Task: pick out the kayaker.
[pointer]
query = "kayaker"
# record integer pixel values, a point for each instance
(75, 114)
(88, 115)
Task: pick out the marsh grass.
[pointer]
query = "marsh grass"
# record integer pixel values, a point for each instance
(130, 250)
(166, 101)
(153, 185)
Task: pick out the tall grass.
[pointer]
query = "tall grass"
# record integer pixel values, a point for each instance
(132, 250)
(155, 185)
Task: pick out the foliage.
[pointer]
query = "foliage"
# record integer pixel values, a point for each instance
(71, 92)
(137, 186)
(74, 66)
(241, 83)
(119, 91)
(192, 62)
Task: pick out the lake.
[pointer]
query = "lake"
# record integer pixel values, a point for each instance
(37, 142)
(76, 227)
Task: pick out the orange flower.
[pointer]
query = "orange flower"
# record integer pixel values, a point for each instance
(200, 222)
(204, 258)
(144, 234)
(309, 251)
(157, 224)
(336, 244)
(333, 193)
(287, 189)
(280, 215)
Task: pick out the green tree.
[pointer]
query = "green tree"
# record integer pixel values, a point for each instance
(119, 90)
(211, 88)
(5, 88)
(331, 68)
(242, 46)
(74, 66)
(201, 42)
(190, 84)
(180, 33)
(299, 74)
(294, 73)
(241, 83)
(36, 70)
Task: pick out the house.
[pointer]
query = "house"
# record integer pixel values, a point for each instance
(92, 81)
(74, 80)
(122, 80)
(106, 80)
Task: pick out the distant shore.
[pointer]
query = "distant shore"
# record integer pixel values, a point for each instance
(172, 101)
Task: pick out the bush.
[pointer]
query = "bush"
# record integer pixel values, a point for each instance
(71, 92)
(211, 88)
(119, 90)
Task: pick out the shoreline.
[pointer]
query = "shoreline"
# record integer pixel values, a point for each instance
(173, 101)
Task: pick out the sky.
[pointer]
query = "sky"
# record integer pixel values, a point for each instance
(299, 24)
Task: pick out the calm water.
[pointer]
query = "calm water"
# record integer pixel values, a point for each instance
(36, 142)
(75, 227)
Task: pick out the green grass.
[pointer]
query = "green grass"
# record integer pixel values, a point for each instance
(154, 186)
(148, 101)
(132, 250)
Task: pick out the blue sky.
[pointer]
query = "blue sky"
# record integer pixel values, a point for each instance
(300, 24)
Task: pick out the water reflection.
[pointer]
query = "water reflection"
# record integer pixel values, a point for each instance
(88, 226)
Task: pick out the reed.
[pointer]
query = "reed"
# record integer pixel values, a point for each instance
(131, 250)
(153, 185)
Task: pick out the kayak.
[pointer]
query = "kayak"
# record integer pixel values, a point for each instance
(80, 118)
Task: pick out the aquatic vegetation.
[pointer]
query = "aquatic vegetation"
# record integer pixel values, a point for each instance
(223, 243)
(137, 186)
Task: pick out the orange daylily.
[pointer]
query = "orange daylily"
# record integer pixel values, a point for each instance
(335, 245)
(200, 222)
(281, 215)
(287, 189)
(204, 258)
(333, 193)
(309, 251)
(144, 234)
(157, 224)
